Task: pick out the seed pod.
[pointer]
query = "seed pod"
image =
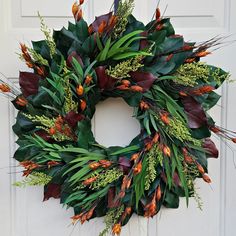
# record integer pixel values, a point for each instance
(165, 118)
(83, 105)
(21, 102)
(158, 14)
(148, 146)
(206, 178)
(128, 210)
(202, 54)
(156, 138)
(89, 181)
(233, 140)
(4, 88)
(79, 90)
(188, 159)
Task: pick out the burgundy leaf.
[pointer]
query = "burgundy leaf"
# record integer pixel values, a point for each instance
(72, 118)
(29, 83)
(43, 134)
(105, 82)
(125, 164)
(210, 148)
(195, 112)
(75, 55)
(100, 19)
(143, 79)
(144, 42)
(52, 191)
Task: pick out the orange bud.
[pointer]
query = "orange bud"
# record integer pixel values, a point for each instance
(94, 165)
(190, 60)
(52, 131)
(102, 27)
(81, 2)
(125, 82)
(21, 102)
(144, 106)
(83, 105)
(165, 118)
(156, 138)
(138, 168)
(90, 29)
(77, 11)
(158, 193)
(121, 194)
(215, 129)
(158, 14)
(88, 79)
(122, 87)
(136, 88)
(202, 54)
(135, 156)
(79, 90)
(167, 151)
(4, 88)
(89, 181)
(169, 57)
(206, 178)
(90, 213)
(148, 146)
(233, 140)
(200, 169)
(128, 210)
(58, 127)
(188, 159)
(183, 94)
(116, 229)
(105, 163)
(40, 70)
(52, 163)
(187, 47)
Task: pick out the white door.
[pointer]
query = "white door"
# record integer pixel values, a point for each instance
(22, 212)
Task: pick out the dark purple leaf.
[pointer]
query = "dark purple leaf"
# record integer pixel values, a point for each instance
(143, 79)
(105, 82)
(195, 112)
(111, 197)
(72, 118)
(29, 83)
(52, 191)
(210, 148)
(100, 19)
(75, 55)
(43, 134)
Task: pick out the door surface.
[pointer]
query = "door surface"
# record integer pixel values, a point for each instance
(22, 212)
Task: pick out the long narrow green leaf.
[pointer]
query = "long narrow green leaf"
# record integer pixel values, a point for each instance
(124, 150)
(78, 69)
(131, 54)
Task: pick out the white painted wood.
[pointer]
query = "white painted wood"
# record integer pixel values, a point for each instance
(22, 210)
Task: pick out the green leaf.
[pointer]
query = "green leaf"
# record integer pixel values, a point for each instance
(77, 67)
(131, 54)
(146, 124)
(125, 150)
(103, 54)
(153, 122)
(99, 43)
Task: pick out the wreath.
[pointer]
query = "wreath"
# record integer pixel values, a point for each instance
(157, 73)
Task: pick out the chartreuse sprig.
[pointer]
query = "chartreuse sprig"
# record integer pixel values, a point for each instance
(105, 177)
(124, 10)
(34, 179)
(37, 57)
(48, 36)
(111, 218)
(69, 104)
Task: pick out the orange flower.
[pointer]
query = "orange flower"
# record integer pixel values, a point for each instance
(138, 168)
(215, 129)
(76, 218)
(183, 94)
(206, 178)
(77, 11)
(167, 151)
(79, 90)
(4, 88)
(148, 146)
(52, 163)
(203, 90)
(188, 159)
(40, 70)
(233, 140)
(151, 208)
(158, 14)
(21, 101)
(88, 79)
(128, 210)
(116, 229)
(136, 88)
(165, 118)
(105, 163)
(83, 105)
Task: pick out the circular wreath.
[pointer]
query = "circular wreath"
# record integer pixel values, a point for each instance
(157, 73)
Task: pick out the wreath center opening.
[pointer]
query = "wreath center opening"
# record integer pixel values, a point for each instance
(113, 123)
